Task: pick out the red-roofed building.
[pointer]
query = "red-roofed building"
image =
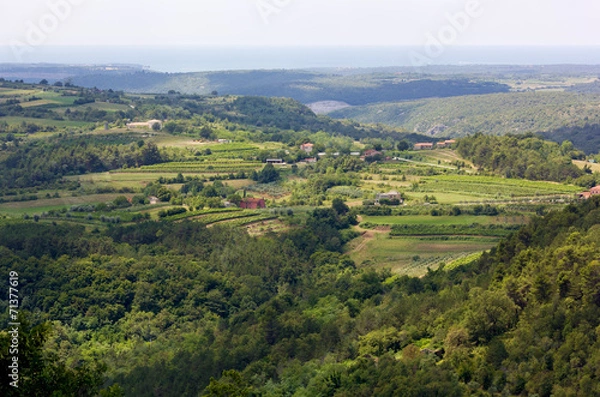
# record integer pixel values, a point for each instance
(307, 147)
(595, 191)
(371, 153)
(252, 203)
(423, 146)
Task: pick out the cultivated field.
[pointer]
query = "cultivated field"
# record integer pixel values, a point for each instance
(413, 255)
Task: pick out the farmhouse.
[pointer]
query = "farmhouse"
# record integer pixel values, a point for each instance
(310, 160)
(371, 152)
(307, 147)
(445, 144)
(584, 195)
(595, 191)
(275, 161)
(252, 203)
(145, 124)
(423, 146)
(392, 196)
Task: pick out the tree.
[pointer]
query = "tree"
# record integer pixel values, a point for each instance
(339, 206)
(403, 145)
(491, 313)
(231, 384)
(234, 199)
(44, 82)
(206, 132)
(268, 174)
(164, 194)
(121, 202)
(151, 154)
(41, 372)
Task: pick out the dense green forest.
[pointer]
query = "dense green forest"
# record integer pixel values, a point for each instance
(558, 115)
(181, 310)
(522, 156)
(586, 137)
(43, 163)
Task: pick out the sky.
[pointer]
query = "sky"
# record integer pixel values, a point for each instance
(299, 22)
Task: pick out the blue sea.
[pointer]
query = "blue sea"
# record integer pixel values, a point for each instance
(194, 59)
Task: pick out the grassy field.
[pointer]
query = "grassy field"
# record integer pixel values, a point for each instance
(447, 198)
(491, 186)
(41, 102)
(43, 205)
(411, 255)
(442, 220)
(444, 156)
(44, 122)
(119, 180)
(260, 227)
(12, 93)
(595, 167)
(203, 167)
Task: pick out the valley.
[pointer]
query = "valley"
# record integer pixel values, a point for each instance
(257, 247)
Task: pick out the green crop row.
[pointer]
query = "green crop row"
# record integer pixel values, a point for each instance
(468, 183)
(213, 218)
(468, 230)
(204, 165)
(230, 147)
(191, 214)
(250, 220)
(465, 260)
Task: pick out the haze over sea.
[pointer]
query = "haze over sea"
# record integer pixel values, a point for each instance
(195, 59)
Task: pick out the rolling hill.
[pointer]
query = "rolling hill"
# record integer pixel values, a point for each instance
(556, 115)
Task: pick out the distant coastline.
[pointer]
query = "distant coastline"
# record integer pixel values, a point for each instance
(178, 59)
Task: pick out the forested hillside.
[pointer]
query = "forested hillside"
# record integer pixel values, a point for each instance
(176, 310)
(39, 108)
(559, 115)
(45, 163)
(305, 87)
(522, 156)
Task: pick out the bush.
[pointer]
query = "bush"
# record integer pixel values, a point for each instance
(171, 212)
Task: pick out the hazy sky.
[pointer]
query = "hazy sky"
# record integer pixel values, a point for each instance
(295, 22)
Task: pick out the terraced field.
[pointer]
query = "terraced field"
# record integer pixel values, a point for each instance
(214, 166)
(493, 186)
(413, 255)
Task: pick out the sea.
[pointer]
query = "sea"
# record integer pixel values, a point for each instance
(176, 59)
